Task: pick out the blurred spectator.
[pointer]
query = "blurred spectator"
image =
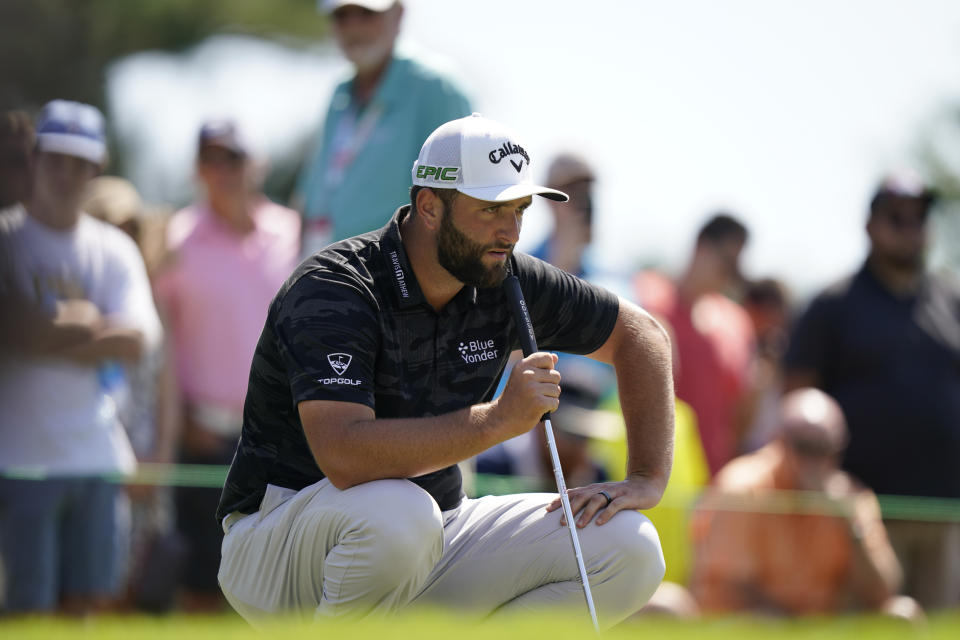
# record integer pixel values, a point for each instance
(767, 303)
(670, 600)
(885, 343)
(16, 144)
(76, 303)
(229, 253)
(784, 532)
(567, 245)
(713, 336)
(149, 413)
(359, 170)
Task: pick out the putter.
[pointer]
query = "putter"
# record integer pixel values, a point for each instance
(529, 344)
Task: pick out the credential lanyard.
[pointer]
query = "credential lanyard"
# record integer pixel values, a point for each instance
(351, 134)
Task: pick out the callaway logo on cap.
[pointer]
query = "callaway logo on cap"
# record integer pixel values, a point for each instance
(480, 158)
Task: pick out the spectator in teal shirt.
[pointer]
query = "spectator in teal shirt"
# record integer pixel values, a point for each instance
(359, 171)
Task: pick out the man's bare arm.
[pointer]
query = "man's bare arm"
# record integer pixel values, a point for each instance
(107, 344)
(639, 350)
(29, 330)
(351, 446)
(77, 331)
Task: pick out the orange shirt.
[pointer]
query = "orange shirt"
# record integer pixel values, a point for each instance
(755, 551)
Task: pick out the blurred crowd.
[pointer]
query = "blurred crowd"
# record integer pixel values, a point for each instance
(128, 331)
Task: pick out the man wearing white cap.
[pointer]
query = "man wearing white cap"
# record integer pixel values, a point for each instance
(76, 303)
(374, 377)
(375, 123)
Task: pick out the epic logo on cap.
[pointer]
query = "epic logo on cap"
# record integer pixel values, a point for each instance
(447, 174)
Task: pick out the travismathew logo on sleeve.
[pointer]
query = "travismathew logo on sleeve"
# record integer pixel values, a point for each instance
(509, 149)
(398, 272)
(473, 351)
(339, 362)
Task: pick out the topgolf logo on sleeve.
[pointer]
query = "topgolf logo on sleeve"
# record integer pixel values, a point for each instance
(339, 362)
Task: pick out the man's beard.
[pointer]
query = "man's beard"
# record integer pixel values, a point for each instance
(907, 262)
(463, 257)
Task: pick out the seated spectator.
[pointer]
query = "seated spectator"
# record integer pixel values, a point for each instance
(784, 531)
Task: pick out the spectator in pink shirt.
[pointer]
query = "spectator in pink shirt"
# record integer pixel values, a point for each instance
(230, 252)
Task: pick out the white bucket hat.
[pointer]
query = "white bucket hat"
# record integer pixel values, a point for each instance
(480, 158)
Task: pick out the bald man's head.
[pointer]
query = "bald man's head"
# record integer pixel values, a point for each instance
(812, 423)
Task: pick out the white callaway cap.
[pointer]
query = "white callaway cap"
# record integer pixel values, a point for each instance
(480, 158)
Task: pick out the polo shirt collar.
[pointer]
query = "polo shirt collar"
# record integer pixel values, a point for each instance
(406, 290)
(404, 285)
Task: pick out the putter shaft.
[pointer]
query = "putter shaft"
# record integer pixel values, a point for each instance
(528, 343)
(571, 524)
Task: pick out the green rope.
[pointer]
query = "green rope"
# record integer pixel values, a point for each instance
(894, 507)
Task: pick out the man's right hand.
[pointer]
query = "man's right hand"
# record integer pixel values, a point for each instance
(532, 390)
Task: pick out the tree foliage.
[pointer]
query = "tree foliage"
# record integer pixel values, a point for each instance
(60, 48)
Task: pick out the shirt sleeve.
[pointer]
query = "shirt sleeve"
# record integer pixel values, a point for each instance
(129, 301)
(569, 314)
(328, 336)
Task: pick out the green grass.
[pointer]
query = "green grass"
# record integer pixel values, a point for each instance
(449, 626)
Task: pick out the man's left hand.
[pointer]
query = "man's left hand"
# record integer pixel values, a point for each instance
(636, 492)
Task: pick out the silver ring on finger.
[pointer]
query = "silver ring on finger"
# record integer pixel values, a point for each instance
(607, 496)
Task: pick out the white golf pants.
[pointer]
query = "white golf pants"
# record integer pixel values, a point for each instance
(384, 545)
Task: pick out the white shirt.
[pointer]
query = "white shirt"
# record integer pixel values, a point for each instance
(57, 417)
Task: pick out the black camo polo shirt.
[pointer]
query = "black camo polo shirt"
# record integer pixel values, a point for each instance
(352, 325)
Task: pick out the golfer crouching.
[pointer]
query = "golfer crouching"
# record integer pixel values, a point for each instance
(373, 378)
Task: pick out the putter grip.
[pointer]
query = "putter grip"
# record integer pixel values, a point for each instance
(521, 317)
